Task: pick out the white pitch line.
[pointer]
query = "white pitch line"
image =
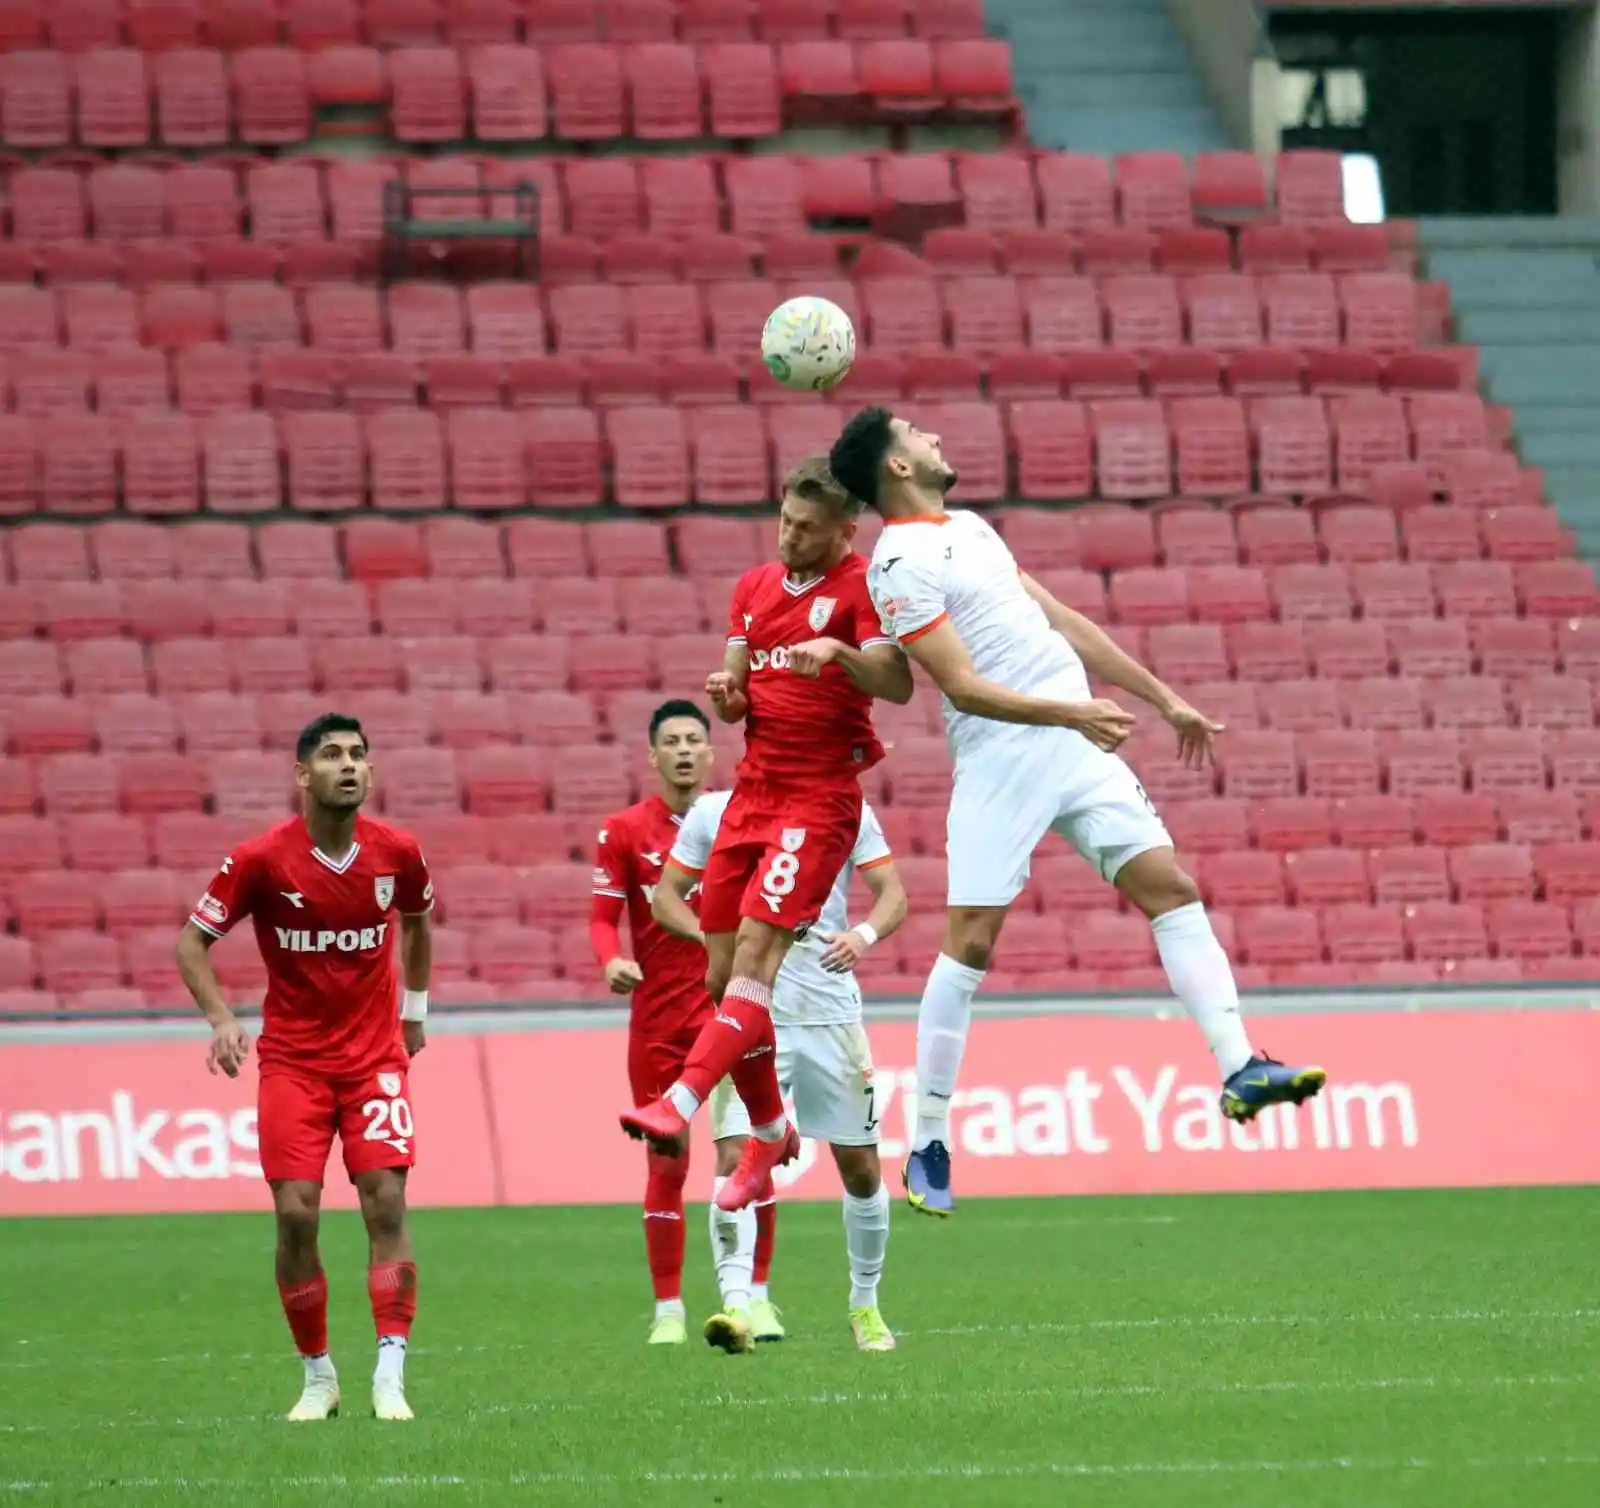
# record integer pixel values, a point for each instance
(1042, 1327)
(969, 1472)
(854, 1399)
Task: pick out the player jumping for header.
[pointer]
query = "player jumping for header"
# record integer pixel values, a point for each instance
(665, 981)
(795, 813)
(324, 890)
(1034, 753)
(824, 1059)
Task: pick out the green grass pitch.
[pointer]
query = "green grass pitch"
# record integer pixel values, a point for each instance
(1411, 1349)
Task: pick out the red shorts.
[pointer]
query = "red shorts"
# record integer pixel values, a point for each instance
(656, 1064)
(778, 852)
(298, 1114)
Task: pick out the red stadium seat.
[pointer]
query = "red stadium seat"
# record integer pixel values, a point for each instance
(272, 105)
(113, 98)
(428, 93)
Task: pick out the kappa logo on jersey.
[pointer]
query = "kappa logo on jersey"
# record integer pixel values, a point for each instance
(652, 858)
(350, 940)
(821, 611)
(294, 899)
(211, 909)
(383, 890)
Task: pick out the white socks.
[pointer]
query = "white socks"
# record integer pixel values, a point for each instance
(391, 1359)
(684, 1101)
(733, 1249)
(942, 1023)
(866, 1238)
(1201, 977)
(320, 1368)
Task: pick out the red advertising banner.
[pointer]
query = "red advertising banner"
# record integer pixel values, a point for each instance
(1051, 1105)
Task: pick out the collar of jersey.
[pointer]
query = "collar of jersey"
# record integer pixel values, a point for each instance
(338, 866)
(917, 518)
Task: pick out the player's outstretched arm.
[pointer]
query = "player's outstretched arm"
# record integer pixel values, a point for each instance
(1104, 658)
(416, 967)
(230, 1042)
(889, 907)
(669, 904)
(881, 670)
(940, 652)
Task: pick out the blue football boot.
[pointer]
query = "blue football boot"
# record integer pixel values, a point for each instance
(927, 1180)
(1265, 1081)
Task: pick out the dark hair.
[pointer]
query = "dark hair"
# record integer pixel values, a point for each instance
(813, 481)
(311, 736)
(679, 707)
(857, 457)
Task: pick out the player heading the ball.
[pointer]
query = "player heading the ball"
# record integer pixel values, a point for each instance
(1034, 753)
(795, 813)
(326, 892)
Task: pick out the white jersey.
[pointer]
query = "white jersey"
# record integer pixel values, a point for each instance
(956, 567)
(805, 994)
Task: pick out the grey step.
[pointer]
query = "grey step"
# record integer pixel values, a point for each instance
(1500, 231)
(1547, 374)
(1555, 418)
(1094, 55)
(1106, 89)
(1567, 450)
(1155, 129)
(1558, 325)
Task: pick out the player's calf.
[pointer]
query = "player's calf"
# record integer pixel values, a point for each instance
(391, 1285)
(303, 1291)
(866, 1237)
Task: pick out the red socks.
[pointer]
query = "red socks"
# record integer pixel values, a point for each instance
(392, 1287)
(739, 1040)
(305, 1306)
(766, 1238)
(664, 1234)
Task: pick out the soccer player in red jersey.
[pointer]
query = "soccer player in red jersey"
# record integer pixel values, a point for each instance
(666, 982)
(325, 891)
(795, 812)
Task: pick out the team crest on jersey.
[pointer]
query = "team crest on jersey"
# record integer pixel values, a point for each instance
(389, 1083)
(821, 611)
(212, 909)
(383, 889)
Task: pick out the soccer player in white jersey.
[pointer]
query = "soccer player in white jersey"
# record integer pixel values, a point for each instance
(824, 1061)
(1034, 753)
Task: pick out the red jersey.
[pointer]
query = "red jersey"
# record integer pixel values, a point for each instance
(327, 929)
(629, 855)
(799, 730)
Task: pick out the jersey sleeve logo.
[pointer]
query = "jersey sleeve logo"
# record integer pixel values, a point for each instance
(821, 611)
(211, 909)
(383, 890)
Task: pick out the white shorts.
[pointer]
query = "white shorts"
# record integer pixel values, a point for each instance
(728, 1115)
(1006, 799)
(827, 1072)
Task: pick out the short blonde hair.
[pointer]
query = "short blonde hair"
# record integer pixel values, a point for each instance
(813, 481)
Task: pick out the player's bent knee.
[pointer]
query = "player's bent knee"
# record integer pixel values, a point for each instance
(860, 1170)
(1156, 883)
(758, 951)
(971, 934)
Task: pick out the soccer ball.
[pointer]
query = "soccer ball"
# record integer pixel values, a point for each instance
(808, 343)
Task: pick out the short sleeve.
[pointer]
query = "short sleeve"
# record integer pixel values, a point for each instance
(738, 623)
(908, 596)
(696, 837)
(230, 896)
(872, 848)
(413, 885)
(865, 622)
(611, 862)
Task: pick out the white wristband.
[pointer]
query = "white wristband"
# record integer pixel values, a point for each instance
(866, 932)
(414, 1005)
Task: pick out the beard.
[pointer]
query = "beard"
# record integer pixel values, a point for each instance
(940, 478)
